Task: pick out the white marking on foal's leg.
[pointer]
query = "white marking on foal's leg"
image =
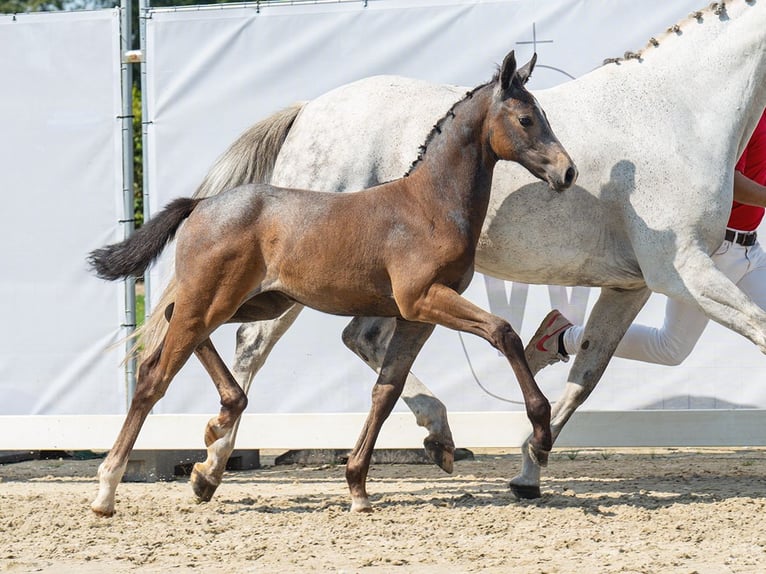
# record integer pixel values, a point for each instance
(359, 504)
(108, 479)
(207, 476)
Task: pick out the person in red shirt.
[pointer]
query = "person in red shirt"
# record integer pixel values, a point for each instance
(740, 257)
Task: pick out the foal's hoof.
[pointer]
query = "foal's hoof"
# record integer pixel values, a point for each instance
(442, 455)
(361, 506)
(525, 491)
(203, 487)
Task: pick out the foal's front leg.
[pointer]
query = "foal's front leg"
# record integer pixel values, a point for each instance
(406, 341)
(368, 337)
(444, 306)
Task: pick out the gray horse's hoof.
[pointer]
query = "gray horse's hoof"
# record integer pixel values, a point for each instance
(442, 455)
(203, 488)
(525, 491)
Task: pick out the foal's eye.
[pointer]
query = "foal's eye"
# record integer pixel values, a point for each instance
(525, 121)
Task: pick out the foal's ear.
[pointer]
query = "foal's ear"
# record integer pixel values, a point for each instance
(507, 70)
(526, 70)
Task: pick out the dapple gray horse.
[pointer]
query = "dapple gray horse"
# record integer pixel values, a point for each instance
(655, 136)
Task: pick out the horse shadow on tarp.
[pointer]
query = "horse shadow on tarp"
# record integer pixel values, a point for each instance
(552, 225)
(612, 213)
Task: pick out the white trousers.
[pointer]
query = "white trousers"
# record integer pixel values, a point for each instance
(683, 324)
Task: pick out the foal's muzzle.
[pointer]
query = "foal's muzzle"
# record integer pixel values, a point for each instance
(563, 180)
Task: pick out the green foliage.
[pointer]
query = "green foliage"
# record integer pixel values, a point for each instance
(24, 6)
(138, 163)
(140, 307)
(18, 6)
(21, 6)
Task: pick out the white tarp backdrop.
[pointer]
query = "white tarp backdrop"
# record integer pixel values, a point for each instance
(60, 180)
(213, 72)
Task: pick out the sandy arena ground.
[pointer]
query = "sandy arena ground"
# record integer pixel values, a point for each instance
(651, 511)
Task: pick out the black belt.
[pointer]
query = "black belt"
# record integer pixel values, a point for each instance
(745, 239)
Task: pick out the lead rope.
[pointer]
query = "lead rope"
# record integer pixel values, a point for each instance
(476, 377)
(479, 383)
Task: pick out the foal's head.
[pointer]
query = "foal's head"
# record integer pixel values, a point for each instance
(519, 131)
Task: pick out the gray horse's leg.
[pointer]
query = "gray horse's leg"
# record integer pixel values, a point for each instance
(254, 343)
(699, 282)
(369, 337)
(405, 343)
(612, 314)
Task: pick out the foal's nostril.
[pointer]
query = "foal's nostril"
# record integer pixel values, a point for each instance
(570, 176)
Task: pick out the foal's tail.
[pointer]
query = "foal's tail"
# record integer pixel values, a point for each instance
(250, 159)
(131, 257)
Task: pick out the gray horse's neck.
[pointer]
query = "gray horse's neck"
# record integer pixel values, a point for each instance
(725, 45)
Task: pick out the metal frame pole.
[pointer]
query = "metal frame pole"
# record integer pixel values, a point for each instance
(143, 15)
(127, 190)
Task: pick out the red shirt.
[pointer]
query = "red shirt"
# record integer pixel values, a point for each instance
(752, 164)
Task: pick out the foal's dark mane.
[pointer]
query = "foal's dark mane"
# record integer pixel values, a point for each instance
(437, 129)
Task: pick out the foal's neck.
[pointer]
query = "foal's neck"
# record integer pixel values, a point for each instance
(456, 163)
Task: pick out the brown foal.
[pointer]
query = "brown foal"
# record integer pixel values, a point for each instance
(403, 249)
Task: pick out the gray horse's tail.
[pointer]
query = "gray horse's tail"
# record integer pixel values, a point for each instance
(250, 159)
(131, 257)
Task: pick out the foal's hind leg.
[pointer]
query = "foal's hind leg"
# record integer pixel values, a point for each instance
(197, 312)
(255, 340)
(219, 428)
(149, 388)
(154, 376)
(407, 340)
(368, 337)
